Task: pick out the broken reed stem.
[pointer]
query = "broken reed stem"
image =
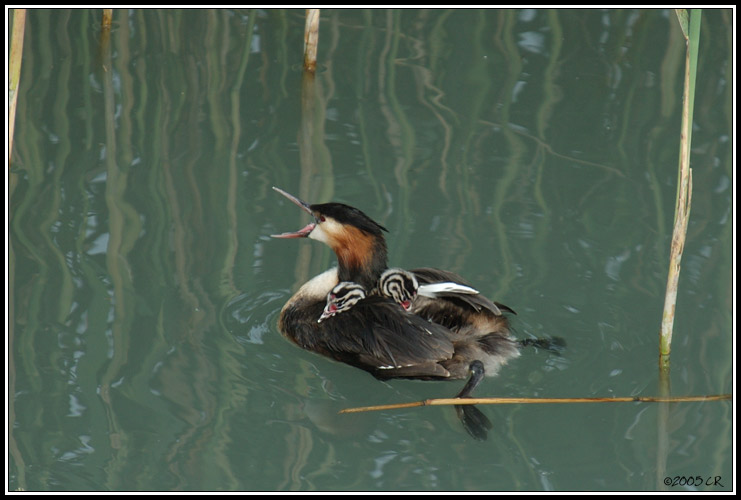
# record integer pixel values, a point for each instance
(107, 18)
(684, 186)
(311, 39)
(474, 401)
(14, 71)
(491, 401)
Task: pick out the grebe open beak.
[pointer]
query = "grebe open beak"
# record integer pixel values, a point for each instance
(305, 231)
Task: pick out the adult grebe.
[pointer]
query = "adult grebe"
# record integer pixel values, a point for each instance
(449, 337)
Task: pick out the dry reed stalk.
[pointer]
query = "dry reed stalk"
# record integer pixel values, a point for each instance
(14, 72)
(484, 401)
(107, 19)
(684, 187)
(311, 39)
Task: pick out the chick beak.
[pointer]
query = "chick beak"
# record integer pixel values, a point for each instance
(329, 311)
(303, 232)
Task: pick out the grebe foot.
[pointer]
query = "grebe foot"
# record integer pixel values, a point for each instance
(473, 420)
(556, 345)
(477, 373)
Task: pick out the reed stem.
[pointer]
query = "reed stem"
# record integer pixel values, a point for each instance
(14, 71)
(311, 39)
(491, 401)
(107, 19)
(684, 185)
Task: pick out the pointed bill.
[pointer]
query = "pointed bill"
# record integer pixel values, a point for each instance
(304, 206)
(303, 232)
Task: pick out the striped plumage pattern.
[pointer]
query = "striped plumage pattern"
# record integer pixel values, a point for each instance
(342, 297)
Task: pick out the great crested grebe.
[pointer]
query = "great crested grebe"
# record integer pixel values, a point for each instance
(450, 332)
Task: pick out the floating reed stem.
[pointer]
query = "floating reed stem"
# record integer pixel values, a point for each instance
(14, 71)
(684, 184)
(499, 401)
(311, 39)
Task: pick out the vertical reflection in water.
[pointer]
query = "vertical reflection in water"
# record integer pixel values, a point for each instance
(226, 282)
(399, 131)
(516, 150)
(187, 375)
(62, 138)
(552, 94)
(361, 82)
(427, 57)
(32, 224)
(123, 222)
(24, 224)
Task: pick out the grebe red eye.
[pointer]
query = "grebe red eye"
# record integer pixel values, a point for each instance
(321, 218)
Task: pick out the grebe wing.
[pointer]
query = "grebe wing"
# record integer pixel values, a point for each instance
(379, 336)
(376, 335)
(475, 302)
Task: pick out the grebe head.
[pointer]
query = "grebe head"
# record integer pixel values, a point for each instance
(342, 298)
(356, 239)
(399, 285)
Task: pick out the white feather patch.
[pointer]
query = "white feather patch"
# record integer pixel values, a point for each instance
(433, 289)
(319, 286)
